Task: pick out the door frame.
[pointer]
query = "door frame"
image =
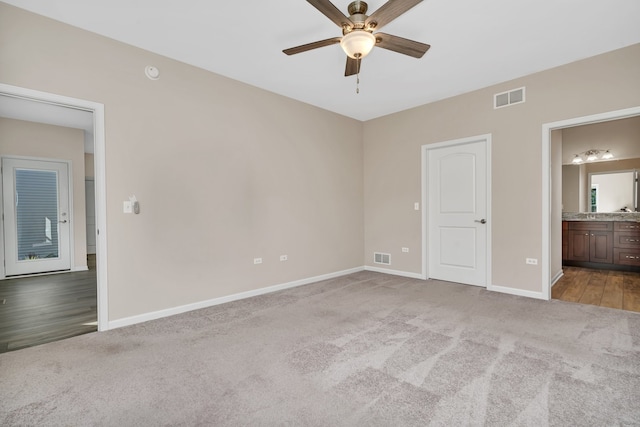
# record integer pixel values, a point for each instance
(547, 280)
(93, 181)
(425, 198)
(100, 181)
(69, 213)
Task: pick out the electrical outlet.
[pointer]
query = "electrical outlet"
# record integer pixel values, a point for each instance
(283, 258)
(405, 250)
(257, 260)
(532, 261)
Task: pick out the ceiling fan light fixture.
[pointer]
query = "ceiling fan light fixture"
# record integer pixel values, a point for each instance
(358, 43)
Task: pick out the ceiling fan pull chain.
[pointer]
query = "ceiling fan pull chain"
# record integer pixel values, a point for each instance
(358, 75)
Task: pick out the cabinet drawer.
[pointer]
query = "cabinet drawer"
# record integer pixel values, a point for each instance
(627, 226)
(626, 256)
(591, 225)
(626, 239)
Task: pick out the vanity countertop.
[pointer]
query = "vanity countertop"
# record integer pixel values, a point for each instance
(609, 216)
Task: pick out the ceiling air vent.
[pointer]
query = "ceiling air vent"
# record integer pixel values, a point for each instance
(515, 96)
(380, 258)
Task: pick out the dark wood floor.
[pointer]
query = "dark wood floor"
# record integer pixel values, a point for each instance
(40, 309)
(606, 288)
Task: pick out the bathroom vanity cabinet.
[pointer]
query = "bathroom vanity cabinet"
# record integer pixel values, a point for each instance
(601, 244)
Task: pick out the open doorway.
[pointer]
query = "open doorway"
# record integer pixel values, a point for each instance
(587, 258)
(44, 109)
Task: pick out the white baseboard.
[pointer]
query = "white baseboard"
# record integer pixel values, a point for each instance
(519, 292)
(80, 268)
(557, 277)
(127, 321)
(394, 272)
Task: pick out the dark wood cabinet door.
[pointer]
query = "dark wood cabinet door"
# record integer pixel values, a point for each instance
(578, 245)
(601, 247)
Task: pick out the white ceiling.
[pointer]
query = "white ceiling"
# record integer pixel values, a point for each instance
(474, 43)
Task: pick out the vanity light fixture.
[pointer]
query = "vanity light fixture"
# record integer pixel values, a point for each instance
(607, 155)
(592, 156)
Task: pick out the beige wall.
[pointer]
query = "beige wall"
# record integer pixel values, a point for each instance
(20, 138)
(88, 165)
(224, 172)
(571, 188)
(392, 158)
(622, 137)
(615, 165)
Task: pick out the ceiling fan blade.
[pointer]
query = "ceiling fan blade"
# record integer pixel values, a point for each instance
(330, 11)
(388, 12)
(400, 45)
(353, 66)
(310, 46)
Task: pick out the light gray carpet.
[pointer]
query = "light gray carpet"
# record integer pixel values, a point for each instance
(366, 349)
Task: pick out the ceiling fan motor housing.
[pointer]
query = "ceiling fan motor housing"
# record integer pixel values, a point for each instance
(357, 7)
(357, 15)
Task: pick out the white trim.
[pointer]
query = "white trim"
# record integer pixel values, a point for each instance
(132, 320)
(72, 218)
(518, 292)
(80, 268)
(557, 277)
(100, 176)
(394, 272)
(425, 200)
(546, 180)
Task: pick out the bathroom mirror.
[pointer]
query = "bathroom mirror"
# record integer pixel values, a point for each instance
(613, 191)
(601, 187)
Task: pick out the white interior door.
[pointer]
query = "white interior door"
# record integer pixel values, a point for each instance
(37, 227)
(457, 212)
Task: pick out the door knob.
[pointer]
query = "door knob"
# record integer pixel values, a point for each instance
(481, 221)
(64, 221)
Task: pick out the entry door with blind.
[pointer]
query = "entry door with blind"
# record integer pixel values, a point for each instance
(37, 227)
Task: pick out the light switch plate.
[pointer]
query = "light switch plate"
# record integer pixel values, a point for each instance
(127, 207)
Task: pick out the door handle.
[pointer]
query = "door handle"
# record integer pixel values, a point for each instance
(481, 221)
(64, 221)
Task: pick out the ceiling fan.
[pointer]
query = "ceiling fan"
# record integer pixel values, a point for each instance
(357, 31)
